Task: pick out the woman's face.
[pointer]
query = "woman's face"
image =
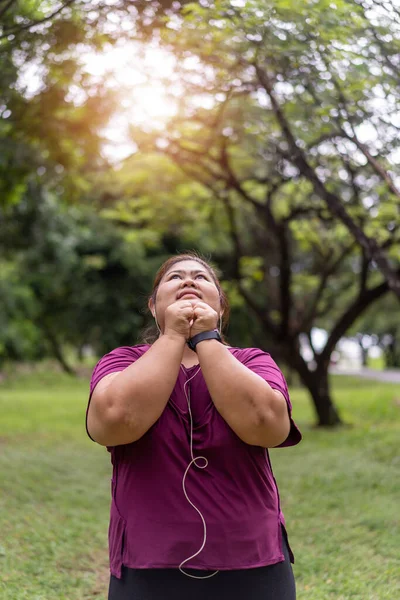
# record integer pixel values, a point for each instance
(185, 280)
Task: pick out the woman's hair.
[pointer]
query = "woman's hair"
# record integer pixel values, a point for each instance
(150, 333)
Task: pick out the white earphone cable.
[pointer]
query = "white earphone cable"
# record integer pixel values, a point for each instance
(203, 466)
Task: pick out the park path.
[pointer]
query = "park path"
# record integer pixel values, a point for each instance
(388, 375)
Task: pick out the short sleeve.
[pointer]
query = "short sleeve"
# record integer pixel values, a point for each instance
(261, 363)
(117, 360)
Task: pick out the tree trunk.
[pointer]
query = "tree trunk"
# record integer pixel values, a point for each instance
(364, 354)
(317, 383)
(57, 351)
(392, 354)
(364, 357)
(326, 411)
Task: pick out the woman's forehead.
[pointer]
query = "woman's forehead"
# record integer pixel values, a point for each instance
(188, 267)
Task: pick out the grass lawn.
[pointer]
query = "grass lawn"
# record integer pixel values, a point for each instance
(340, 492)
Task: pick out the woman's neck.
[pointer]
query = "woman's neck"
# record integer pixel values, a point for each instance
(189, 357)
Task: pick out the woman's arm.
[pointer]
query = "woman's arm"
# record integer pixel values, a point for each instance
(125, 405)
(256, 412)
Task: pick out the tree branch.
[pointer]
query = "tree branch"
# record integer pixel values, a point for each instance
(363, 273)
(330, 269)
(379, 170)
(359, 305)
(309, 338)
(326, 137)
(6, 7)
(20, 28)
(232, 180)
(190, 173)
(333, 202)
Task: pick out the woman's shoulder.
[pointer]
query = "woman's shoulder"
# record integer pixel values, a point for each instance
(117, 360)
(247, 352)
(129, 350)
(127, 353)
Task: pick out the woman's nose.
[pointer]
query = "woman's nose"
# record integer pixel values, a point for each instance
(188, 281)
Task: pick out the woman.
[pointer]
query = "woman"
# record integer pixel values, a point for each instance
(195, 509)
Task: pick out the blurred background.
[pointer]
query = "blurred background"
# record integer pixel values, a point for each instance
(264, 136)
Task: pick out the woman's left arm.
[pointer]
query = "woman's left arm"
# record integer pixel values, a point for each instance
(257, 413)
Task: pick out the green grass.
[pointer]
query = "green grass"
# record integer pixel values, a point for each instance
(340, 494)
(339, 489)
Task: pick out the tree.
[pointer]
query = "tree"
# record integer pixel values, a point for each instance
(268, 73)
(51, 113)
(288, 263)
(330, 66)
(74, 281)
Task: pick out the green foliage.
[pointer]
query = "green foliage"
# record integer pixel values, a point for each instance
(329, 67)
(151, 198)
(51, 113)
(19, 338)
(70, 267)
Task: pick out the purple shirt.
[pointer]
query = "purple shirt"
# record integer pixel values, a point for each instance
(152, 525)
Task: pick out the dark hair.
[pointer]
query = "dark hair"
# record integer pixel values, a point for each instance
(150, 333)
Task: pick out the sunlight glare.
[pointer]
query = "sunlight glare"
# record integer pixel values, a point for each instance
(142, 77)
(146, 79)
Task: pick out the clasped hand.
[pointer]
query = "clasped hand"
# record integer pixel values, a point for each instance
(189, 317)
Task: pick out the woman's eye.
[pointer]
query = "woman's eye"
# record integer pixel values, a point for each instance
(176, 275)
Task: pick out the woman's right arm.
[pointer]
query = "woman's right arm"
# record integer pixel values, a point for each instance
(126, 404)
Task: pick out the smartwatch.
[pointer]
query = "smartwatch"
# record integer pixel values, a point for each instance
(204, 335)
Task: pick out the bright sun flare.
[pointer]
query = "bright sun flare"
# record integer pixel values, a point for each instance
(144, 79)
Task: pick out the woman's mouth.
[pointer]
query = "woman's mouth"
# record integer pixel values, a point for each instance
(187, 294)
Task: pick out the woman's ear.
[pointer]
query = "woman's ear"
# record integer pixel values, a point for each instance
(152, 307)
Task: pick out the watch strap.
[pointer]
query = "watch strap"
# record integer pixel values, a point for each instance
(203, 335)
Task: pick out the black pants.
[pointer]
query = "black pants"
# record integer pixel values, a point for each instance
(274, 582)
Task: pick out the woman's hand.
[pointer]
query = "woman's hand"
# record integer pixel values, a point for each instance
(205, 318)
(179, 317)
(186, 318)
